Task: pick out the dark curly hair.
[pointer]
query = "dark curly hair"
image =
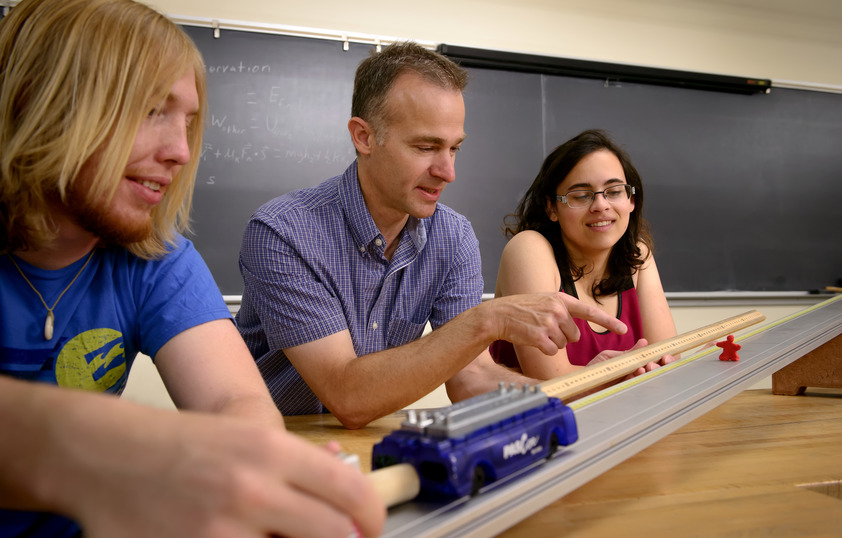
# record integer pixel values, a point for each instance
(531, 213)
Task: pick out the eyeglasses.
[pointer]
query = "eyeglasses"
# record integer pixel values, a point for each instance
(615, 195)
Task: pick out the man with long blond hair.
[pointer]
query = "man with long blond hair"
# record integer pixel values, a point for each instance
(101, 107)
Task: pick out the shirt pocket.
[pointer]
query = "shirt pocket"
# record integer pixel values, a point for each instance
(403, 331)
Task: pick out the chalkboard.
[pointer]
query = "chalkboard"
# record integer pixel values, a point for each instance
(742, 191)
(278, 113)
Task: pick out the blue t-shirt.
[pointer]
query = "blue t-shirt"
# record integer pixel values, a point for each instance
(118, 306)
(313, 265)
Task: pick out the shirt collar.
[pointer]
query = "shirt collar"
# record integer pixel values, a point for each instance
(363, 228)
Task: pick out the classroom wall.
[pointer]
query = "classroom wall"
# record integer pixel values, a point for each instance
(784, 40)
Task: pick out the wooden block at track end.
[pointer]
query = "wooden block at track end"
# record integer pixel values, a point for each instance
(821, 367)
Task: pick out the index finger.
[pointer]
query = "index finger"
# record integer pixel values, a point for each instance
(580, 310)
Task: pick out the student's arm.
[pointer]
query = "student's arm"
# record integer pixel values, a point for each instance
(209, 368)
(655, 313)
(656, 318)
(528, 265)
(122, 469)
(358, 390)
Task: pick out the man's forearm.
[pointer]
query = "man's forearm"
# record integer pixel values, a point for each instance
(380, 383)
(54, 441)
(360, 389)
(254, 407)
(108, 463)
(481, 376)
(21, 445)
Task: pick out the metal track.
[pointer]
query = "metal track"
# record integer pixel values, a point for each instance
(615, 425)
(470, 415)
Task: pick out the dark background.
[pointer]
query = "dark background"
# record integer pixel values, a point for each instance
(742, 191)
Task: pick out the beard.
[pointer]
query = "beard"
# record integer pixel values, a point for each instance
(101, 219)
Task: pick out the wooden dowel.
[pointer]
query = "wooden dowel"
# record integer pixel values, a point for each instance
(396, 484)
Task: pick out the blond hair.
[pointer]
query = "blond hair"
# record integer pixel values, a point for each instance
(78, 77)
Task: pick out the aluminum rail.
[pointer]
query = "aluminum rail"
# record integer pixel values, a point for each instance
(620, 422)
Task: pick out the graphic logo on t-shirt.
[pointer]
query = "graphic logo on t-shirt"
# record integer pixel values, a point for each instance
(93, 360)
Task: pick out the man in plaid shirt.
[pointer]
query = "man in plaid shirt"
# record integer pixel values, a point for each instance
(341, 279)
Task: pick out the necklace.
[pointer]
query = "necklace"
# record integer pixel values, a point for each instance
(51, 318)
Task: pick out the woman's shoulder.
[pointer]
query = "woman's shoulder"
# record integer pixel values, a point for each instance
(645, 253)
(646, 258)
(529, 240)
(527, 265)
(648, 270)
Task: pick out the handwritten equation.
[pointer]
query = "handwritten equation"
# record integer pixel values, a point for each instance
(269, 119)
(249, 153)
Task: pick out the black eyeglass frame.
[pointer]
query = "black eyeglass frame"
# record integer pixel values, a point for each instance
(563, 197)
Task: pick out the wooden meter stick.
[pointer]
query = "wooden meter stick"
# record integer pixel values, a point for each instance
(600, 373)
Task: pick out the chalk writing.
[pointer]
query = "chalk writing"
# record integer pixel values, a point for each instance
(277, 99)
(238, 68)
(249, 153)
(220, 123)
(244, 154)
(327, 156)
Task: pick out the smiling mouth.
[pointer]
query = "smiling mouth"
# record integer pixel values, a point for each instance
(151, 185)
(599, 224)
(429, 191)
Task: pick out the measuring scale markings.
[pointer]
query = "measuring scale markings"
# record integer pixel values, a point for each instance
(596, 374)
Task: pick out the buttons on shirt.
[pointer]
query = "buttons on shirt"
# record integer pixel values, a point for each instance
(377, 243)
(374, 326)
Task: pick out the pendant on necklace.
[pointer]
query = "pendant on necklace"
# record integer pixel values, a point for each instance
(48, 325)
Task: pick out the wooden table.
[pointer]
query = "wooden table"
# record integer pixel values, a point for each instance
(758, 465)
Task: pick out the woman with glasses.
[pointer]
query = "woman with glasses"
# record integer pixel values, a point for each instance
(580, 229)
